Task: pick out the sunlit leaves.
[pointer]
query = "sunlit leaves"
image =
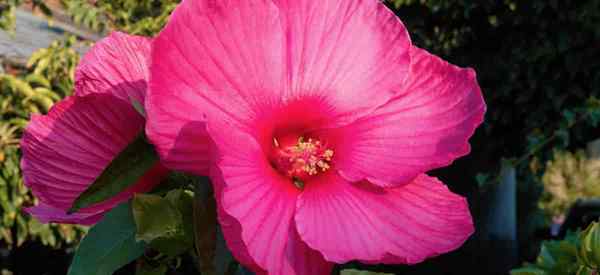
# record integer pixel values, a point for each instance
(7, 15)
(132, 16)
(9, 7)
(57, 65)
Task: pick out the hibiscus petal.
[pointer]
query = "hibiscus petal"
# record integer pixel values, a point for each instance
(118, 65)
(259, 199)
(425, 127)
(299, 258)
(353, 53)
(238, 61)
(214, 58)
(46, 214)
(232, 230)
(64, 151)
(302, 259)
(401, 225)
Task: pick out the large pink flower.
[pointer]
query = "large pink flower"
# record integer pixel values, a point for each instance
(324, 119)
(65, 150)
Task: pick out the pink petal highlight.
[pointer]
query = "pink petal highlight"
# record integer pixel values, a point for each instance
(117, 65)
(64, 151)
(426, 126)
(401, 225)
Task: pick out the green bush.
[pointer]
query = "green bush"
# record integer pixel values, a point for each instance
(8, 8)
(145, 17)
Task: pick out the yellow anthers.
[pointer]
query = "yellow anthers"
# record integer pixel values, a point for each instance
(323, 165)
(328, 154)
(307, 157)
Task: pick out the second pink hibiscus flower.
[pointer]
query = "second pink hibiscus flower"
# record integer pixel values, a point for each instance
(67, 149)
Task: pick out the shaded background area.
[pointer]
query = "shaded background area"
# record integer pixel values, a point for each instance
(537, 63)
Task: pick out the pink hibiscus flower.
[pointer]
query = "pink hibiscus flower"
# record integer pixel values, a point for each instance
(324, 119)
(65, 150)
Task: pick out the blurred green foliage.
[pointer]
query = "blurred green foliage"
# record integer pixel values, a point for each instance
(7, 14)
(47, 77)
(9, 7)
(569, 177)
(572, 255)
(142, 17)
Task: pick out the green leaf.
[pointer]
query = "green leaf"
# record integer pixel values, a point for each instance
(165, 223)
(37, 79)
(589, 250)
(109, 245)
(154, 217)
(125, 170)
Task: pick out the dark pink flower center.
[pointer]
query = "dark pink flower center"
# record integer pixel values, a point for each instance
(302, 159)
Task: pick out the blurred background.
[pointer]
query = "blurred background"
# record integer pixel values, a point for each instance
(532, 178)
